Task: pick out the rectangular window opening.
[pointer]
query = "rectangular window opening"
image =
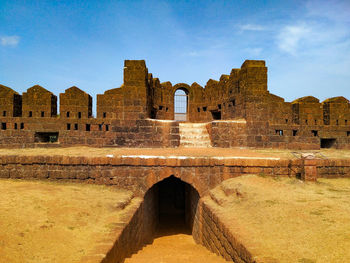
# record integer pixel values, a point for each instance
(15, 126)
(68, 126)
(100, 127)
(22, 126)
(42, 114)
(67, 114)
(30, 114)
(286, 120)
(46, 137)
(279, 132)
(79, 115)
(216, 115)
(87, 127)
(199, 109)
(295, 132)
(160, 107)
(233, 102)
(3, 126)
(219, 106)
(104, 115)
(204, 108)
(314, 132)
(328, 143)
(76, 126)
(107, 127)
(4, 113)
(348, 133)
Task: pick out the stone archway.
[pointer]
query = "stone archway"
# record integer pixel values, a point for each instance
(174, 205)
(181, 105)
(181, 101)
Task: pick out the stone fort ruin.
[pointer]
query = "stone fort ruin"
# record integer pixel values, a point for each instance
(236, 111)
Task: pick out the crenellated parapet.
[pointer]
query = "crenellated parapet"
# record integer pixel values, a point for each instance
(127, 116)
(75, 103)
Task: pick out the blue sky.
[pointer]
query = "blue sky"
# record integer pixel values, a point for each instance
(58, 44)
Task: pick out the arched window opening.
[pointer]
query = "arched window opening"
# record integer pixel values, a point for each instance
(180, 105)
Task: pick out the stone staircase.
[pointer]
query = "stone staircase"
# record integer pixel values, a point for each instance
(194, 135)
(174, 249)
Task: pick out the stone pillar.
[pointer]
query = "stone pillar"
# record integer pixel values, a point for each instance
(310, 170)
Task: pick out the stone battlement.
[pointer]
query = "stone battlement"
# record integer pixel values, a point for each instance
(131, 116)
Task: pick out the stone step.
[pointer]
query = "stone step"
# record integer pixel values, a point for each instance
(196, 143)
(194, 135)
(192, 125)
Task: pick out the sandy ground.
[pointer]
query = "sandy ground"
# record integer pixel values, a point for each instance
(203, 152)
(56, 222)
(286, 219)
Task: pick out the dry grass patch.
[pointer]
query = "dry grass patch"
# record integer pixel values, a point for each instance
(286, 219)
(57, 222)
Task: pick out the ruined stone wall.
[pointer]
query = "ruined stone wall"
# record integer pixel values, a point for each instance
(270, 121)
(76, 104)
(227, 134)
(38, 102)
(10, 102)
(21, 132)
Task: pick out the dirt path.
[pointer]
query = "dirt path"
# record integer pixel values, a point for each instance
(175, 249)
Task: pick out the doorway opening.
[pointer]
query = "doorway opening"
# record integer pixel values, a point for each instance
(173, 205)
(180, 105)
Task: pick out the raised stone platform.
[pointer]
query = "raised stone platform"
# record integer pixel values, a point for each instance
(138, 170)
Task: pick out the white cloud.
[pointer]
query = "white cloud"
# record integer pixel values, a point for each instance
(334, 10)
(289, 38)
(251, 27)
(9, 40)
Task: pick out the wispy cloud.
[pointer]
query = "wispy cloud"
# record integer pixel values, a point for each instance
(335, 10)
(11, 41)
(251, 27)
(290, 36)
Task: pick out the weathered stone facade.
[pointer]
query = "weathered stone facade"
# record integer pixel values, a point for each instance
(238, 108)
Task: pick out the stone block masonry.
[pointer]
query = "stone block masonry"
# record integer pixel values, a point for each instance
(238, 109)
(142, 173)
(139, 173)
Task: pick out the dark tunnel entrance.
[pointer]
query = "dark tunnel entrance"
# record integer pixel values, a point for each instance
(175, 206)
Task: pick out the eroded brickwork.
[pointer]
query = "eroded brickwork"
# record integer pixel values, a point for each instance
(238, 108)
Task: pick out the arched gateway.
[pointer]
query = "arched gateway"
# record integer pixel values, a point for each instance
(174, 204)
